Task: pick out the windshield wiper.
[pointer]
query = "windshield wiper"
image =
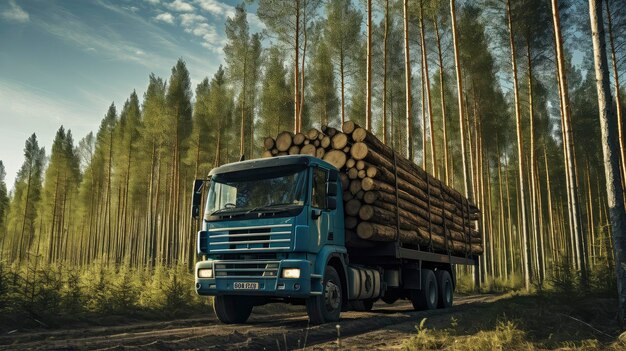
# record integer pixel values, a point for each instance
(270, 206)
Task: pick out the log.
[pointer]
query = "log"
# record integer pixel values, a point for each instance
(360, 165)
(330, 131)
(298, 139)
(266, 154)
(325, 142)
(361, 174)
(309, 149)
(350, 222)
(350, 163)
(284, 141)
(335, 158)
(316, 142)
(355, 186)
(274, 151)
(345, 182)
(320, 152)
(268, 143)
(353, 173)
(312, 134)
(294, 150)
(339, 141)
(352, 207)
(348, 127)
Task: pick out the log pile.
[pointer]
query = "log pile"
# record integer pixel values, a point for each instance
(387, 197)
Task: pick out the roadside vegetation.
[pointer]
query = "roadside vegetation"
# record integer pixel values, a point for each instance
(50, 296)
(562, 315)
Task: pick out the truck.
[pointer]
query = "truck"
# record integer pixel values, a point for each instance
(272, 230)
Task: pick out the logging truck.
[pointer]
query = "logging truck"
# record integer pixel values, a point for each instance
(285, 229)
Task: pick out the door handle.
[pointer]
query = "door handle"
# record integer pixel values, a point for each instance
(316, 213)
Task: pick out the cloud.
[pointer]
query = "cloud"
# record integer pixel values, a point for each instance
(180, 6)
(15, 13)
(217, 8)
(153, 2)
(165, 17)
(189, 19)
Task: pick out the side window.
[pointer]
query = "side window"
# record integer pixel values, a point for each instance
(318, 196)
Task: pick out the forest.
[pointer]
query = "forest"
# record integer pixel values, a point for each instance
(497, 98)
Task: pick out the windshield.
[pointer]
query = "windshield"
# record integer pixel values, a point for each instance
(252, 191)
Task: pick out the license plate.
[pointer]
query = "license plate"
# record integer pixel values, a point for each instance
(245, 286)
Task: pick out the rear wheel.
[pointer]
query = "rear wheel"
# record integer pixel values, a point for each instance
(427, 297)
(446, 289)
(327, 306)
(232, 309)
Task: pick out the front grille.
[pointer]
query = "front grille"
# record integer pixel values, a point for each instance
(242, 239)
(246, 269)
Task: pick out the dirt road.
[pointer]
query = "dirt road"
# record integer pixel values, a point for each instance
(383, 328)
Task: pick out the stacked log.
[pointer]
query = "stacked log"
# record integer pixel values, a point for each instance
(386, 196)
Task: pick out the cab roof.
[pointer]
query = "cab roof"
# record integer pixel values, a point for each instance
(271, 162)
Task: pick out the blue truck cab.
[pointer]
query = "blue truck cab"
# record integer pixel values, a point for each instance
(272, 230)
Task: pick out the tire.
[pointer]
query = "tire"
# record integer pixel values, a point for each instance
(232, 309)
(326, 307)
(445, 288)
(427, 297)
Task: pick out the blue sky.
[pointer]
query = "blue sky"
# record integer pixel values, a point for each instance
(64, 62)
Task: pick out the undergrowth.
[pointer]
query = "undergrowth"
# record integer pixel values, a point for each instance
(34, 295)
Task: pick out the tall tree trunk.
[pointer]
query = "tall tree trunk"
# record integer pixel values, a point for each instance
(368, 78)
(618, 97)
(459, 80)
(433, 154)
(385, 43)
(520, 155)
(242, 135)
(343, 86)
(569, 145)
(296, 74)
(535, 208)
(407, 72)
(443, 105)
(610, 151)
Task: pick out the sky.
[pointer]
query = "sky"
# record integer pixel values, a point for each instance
(65, 62)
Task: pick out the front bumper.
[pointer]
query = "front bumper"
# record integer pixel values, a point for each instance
(271, 286)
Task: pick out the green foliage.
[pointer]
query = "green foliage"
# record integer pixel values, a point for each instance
(323, 90)
(47, 295)
(275, 98)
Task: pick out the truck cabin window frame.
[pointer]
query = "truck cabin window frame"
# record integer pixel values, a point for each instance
(318, 191)
(250, 194)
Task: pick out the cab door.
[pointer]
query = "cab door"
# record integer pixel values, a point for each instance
(320, 220)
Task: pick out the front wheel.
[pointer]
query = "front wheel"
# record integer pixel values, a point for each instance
(327, 306)
(232, 309)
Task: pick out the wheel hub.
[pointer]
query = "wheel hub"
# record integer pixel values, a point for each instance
(332, 296)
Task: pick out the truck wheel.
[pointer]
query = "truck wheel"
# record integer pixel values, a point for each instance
(231, 309)
(326, 307)
(446, 290)
(427, 297)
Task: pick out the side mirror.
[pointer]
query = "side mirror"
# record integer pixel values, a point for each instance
(331, 202)
(196, 198)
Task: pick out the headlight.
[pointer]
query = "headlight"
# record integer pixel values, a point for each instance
(292, 273)
(205, 273)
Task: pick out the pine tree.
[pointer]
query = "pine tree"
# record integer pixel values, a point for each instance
(342, 30)
(275, 105)
(323, 90)
(22, 217)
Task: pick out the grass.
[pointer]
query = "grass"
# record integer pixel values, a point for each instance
(516, 322)
(58, 296)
